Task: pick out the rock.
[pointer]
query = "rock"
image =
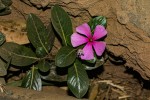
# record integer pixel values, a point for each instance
(129, 33)
(14, 31)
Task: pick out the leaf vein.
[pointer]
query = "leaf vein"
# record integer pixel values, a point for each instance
(39, 37)
(20, 55)
(61, 29)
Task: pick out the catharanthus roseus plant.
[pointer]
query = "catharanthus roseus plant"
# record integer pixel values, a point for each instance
(81, 50)
(84, 44)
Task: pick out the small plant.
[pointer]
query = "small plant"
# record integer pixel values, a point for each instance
(80, 51)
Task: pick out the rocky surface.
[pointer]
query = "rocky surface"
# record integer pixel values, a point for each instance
(128, 24)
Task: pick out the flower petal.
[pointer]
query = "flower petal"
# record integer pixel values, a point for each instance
(87, 52)
(99, 32)
(84, 29)
(99, 47)
(77, 39)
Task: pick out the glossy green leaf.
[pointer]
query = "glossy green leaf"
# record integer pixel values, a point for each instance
(100, 20)
(43, 66)
(62, 24)
(98, 63)
(7, 2)
(3, 69)
(20, 55)
(40, 52)
(54, 77)
(51, 38)
(77, 80)
(32, 80)
(53, 74)
(2, 7)
(8, 63)
(38, 34)
(2, 38)
(65, 56)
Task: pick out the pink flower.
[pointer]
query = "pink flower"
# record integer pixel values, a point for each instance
(83, 35)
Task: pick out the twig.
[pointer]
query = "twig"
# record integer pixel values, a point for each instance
(122, 92)
(107, 93)
(109, 82)
(124, 97)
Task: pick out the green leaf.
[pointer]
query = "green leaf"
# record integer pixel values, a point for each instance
(65, 56)
(98, 63)
(3, 69)
(77, 80)
(100, 20)
(20, 55)
(40, 52)
(51, 38)
(8, 63)
(37, 33)
(53, 74)
(2, 38)
(2, 7)
(62, 24)
(7, 3)
(43, 66)
(32, 80)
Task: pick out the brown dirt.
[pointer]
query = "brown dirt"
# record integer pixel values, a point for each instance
(119, 83)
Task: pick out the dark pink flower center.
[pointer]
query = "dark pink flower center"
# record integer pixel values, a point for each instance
(90, 39)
